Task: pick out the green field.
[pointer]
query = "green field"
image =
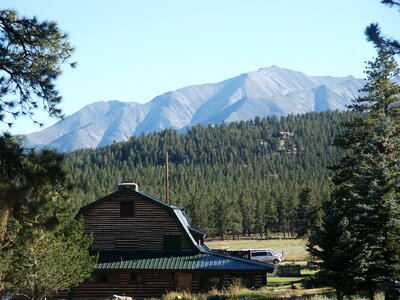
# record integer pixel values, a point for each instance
(292, 249)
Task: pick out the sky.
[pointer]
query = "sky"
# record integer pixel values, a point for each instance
(135, 50)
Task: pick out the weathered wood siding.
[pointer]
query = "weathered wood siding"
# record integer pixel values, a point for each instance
(145, 231)
(154, 284)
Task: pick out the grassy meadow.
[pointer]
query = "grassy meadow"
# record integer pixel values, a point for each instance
(292, 249)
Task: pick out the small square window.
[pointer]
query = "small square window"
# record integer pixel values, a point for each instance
(135, 278)
(126, 209)
(172, 243)
(208, 283)
(102, 278)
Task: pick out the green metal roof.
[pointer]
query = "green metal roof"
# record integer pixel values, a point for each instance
(201, 261)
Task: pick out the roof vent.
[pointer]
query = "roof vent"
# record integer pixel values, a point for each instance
(132, 185)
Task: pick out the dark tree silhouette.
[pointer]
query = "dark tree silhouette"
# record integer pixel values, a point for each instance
(374, 34)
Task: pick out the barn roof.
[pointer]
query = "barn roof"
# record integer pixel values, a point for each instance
(178, 214)
(125, 189)
(201, 259)
(208, 260)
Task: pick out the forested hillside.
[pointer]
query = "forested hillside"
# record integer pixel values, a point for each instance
(230, 179)
(265, 92)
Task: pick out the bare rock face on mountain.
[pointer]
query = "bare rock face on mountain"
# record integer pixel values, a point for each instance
(268, 91)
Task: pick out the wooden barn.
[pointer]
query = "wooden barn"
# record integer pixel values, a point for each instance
(147, 247)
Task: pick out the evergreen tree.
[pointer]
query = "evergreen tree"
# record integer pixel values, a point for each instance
(31, 55)
(41, 249)
(366, 201)
(48, 262)
(234, 219)
(308, 212)
(247, 209)
(30, 184)
(334, 247)
(241, 164)
(374, 35)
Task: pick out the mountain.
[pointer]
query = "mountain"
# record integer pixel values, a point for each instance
(267, 91)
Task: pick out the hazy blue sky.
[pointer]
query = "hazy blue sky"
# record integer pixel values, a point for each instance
(132, 50)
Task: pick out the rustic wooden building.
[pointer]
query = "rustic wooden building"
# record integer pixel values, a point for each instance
(283, 135)
(147, 247)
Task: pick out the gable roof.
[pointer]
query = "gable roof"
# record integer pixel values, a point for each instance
(177, 213)
(121, 190)
(201, 259)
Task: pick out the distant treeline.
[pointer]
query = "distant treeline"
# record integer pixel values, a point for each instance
(231, 179)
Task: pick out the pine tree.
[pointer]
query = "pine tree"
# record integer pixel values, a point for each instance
(31, 55)
(48, 262)
(366, 201)
(374, 35)
(260, 178)
(308, 212)
(234, 219)
(41, 249)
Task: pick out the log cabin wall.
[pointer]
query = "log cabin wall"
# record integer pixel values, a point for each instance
(145, 230)
(152, 284)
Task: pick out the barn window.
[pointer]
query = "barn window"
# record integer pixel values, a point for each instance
(208, 283)
(101, 278)
(135, 278)
(126, 209)
(245, 281)
(172, 243)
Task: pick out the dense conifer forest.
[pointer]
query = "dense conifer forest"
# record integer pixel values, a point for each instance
(231, 179)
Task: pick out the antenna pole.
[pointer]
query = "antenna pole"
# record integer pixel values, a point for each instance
(166, 178)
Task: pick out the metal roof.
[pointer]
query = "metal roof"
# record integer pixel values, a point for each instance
(201, 261)
(201, 257)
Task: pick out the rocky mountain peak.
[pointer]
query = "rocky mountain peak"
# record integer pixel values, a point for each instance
(267, 91)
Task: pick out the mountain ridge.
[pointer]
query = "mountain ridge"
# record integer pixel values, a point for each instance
(266, 91)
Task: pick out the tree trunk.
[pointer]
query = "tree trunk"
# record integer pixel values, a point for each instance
(372, 294)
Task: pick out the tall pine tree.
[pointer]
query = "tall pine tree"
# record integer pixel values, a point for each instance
(365, 206)
(42, 248)
(308, 212)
